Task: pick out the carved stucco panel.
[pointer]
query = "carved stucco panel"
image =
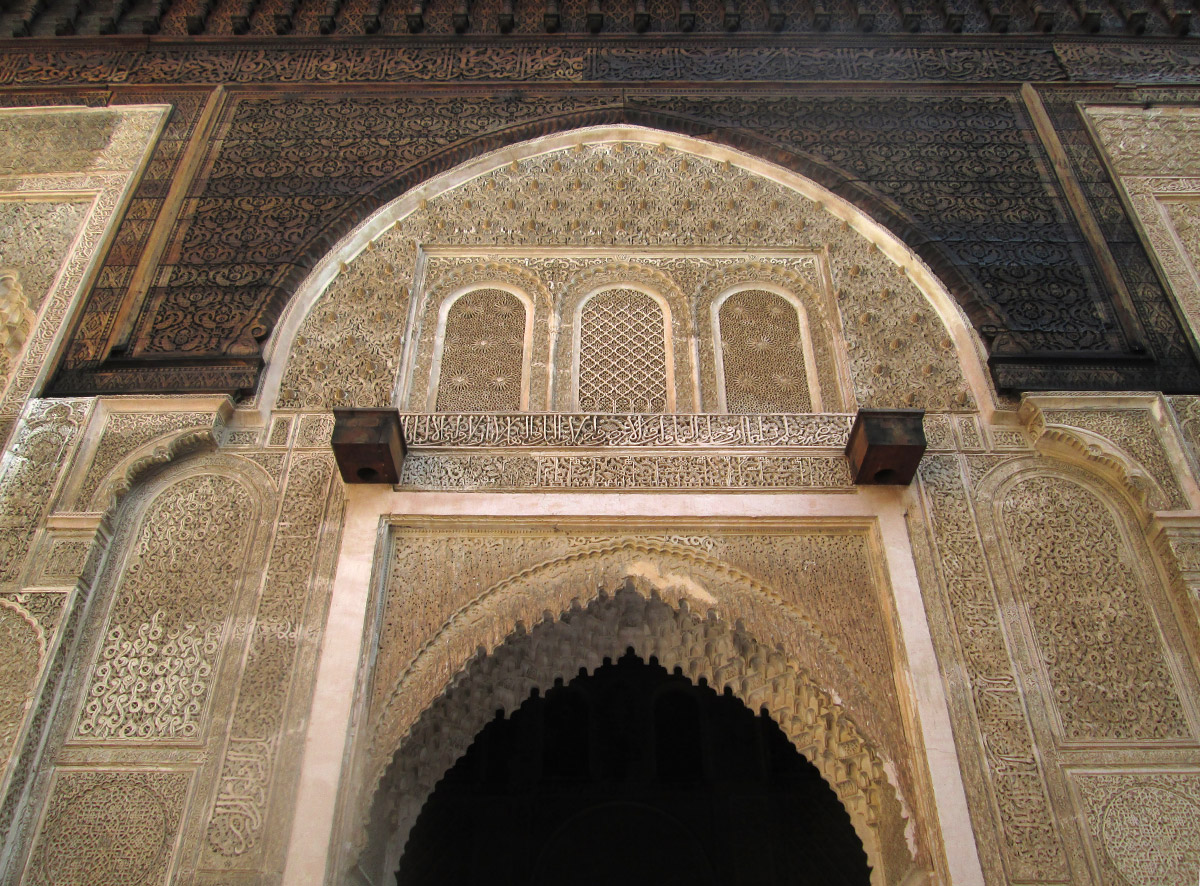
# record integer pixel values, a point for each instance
(155, 435)
(623, 472)
(109, 828)
(166, 631)
(250, 813)
(1118, 807)
(347, 352)
(634, 431)
(23, 644)
(446, 276)
(1080, 586)
(34, 238)
(762, 354)
(626, 196)
(1029, 845)
(38, 454)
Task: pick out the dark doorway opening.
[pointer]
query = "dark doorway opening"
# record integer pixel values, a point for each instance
(630, 776)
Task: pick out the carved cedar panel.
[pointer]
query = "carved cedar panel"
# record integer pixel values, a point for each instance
(483, 353)
(762, 354)
(153, 672)
(1077, 580)
(108, 828)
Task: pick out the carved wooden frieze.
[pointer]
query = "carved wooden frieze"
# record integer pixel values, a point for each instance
(296, 203)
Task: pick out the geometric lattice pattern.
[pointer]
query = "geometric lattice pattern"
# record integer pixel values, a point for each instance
(762, 354)
(622, 353)
(482, 354)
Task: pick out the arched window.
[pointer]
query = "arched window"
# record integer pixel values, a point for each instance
(764, 360)
(483, 354)
(624, 364)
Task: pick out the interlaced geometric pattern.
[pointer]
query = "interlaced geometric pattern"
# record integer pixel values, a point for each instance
(622, 354)
(762, 354)
(482, 353)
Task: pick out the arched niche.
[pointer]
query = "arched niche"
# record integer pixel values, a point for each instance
(443, 286)
(707, 649)
(566, 616)
(610, 194)
(1089, 602)
(154, 661)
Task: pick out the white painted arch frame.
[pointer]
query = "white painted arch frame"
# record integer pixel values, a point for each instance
(810, 358)
(668, 342)
(439, 338)
(968, 347)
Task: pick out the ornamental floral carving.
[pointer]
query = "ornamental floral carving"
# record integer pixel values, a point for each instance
(1117, 806)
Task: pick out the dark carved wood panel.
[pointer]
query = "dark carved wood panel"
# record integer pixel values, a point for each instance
(959, 174)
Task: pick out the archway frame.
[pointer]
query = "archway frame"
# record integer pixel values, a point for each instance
(328, 796)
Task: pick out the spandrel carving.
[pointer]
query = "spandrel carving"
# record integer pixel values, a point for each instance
(625, 198)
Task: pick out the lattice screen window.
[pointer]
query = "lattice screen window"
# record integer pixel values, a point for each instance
(762, 354)
(622, 353)
(483, 351)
